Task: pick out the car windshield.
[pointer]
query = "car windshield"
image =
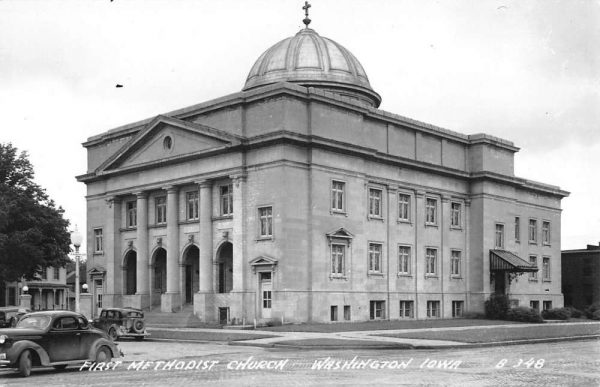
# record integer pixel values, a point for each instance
(36, 322)
(134, 314)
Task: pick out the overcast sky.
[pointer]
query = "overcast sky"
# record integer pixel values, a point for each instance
(527, 71)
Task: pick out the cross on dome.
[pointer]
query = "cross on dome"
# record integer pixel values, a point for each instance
(306, 20)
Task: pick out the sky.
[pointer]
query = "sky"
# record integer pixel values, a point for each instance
(527, 71)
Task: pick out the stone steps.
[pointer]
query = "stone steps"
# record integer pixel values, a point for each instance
(180, 319)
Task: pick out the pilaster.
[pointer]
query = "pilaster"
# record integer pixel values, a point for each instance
(239, 183)
(142, 285)
(172, 298)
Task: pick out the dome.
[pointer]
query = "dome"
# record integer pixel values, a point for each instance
(311, 60)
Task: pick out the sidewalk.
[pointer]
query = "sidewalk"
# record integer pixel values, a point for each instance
(415, 338)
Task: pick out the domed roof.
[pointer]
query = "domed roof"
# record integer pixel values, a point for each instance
(311, 60)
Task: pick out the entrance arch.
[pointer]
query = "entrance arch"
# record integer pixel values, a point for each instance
(225, 268)
(159, 259)
(191, 262)
(130, 268)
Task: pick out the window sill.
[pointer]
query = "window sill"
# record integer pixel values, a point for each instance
(189, 221)
(433, 276)
(374, 217)
(98, 253)
(338, 277)
(404, 221)
(456, 277)
(123, 229)
(338, 212)
(375, 274)
(456, 228)
(532, 243)
(547, 244)
(264, 238)
(222, 217)
(547, 280)
(406, 275)
(517, 241)
(533, 280)
(431, 225)
(157, 225)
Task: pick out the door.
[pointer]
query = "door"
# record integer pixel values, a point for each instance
(266, 288)
(188, 283)
(99, 292)
(500, 282)
(63, 339)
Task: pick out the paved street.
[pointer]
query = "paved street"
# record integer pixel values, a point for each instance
(562, 363)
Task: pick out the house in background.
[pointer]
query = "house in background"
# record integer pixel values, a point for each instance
(47, 293)
(581, 276)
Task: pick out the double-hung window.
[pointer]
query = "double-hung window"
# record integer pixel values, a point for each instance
(404, 207)
(131, 213)
(546, 268)
(517, 229)
(161, 209)
(546, 233)
(455, 212)
(375, 196)
(226, 199)
(338, 201)
(532, 231)
(338, 257)
(404, 260)
(499, 236)
(98, 241)
(430, 211)
(433, 309)
(407, 309)
(533, 275)
(375, 258)
(455, 263)
(265, 215)
(431, 262)
(191, 205)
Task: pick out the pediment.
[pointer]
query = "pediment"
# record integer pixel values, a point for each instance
(263, 260)
(167, 138)
(340, 233)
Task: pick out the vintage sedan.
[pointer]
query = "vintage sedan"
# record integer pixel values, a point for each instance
(122, 322)
(53, 339)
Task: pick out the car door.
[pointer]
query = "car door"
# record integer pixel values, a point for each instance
(64, 339)
(87, 337)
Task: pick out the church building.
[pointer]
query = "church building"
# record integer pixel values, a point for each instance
(297, 199)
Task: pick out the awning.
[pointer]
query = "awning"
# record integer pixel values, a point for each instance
(502, 260)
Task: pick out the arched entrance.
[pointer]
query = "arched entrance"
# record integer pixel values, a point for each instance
(130, 267)
(159, 258)
(192, 273)
(225, 268)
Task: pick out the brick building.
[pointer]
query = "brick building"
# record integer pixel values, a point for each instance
(297, 198)
(581, 276)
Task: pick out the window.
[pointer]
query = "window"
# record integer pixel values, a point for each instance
(404, 207)
(532, 231)
(517, 229)
(265, 215)
(499, 236)
(56, 272)
(546, 233)
(12, 295)
(457, 308)
(347, 313)
(513, 302)
(226, 195)
(455, 263)
(547, 305)
(377, 310)
(433, 309)
(534, 305)
(191, 205)
(375, 258)
(533, 274)
(337, 259)
(267, 298)
(430, 261)
(404, 260)
(375, 202)
(160, 202)
(338, 202)
(430, 211)
(98, 240)
(407, 309)
(131, 214)
(455, 212)
(45, 273)
(546, 269)
(334, 314)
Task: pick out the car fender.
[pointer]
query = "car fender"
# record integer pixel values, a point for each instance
(100, 342)
(116, 326)
(18, 347)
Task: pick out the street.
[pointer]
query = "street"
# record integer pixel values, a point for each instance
(174, 363)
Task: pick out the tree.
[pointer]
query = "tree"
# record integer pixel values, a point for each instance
(33, 232)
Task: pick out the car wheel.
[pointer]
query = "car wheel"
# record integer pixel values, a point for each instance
(138, 326)
(103, 355)
(25, 363)
(60, 367)
(139, 338)
(112, 333)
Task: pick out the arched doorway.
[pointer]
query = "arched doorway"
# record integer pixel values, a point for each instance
(192, 273)
(225, 268)
(160, 270)
(130, 267)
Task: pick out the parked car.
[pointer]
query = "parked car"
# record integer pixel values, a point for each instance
(56, 339)
(122, 322)
(18, 315)
(5, 315)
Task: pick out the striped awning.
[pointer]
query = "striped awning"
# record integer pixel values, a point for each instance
(502, 260)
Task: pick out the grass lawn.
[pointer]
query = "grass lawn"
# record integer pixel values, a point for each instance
(206, 336)
(491, 334)
(326, 342)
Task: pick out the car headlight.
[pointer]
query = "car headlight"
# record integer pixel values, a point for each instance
(3, 339)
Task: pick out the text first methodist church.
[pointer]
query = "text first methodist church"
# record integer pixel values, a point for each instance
(298, 199)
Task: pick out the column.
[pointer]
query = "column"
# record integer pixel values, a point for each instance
(112, 251)
(171, 299)
(206, 237)
(142, 291)
(239, 182)
(444, 236)
(419, 253)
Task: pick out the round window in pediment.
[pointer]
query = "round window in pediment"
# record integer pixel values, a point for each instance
(168, 143)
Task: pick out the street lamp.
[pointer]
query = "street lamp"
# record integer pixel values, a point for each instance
(25, 289)
(76, 239)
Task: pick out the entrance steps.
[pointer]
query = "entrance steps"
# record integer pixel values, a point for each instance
(183, 318)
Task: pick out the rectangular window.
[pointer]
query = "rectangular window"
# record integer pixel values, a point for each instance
(533, 274)
(404, 207)
(98, 240)
(226, 195)
(334, 314)
(455, 263)
(546, 233)
(455, 214)
(532, 231)
(160, 202)
(534, 305)
(337, 259)
(377, 310)
(404, 260)
(347, 313)
(375, 202)
(546, 268)
(457, 308)
(375, 258)
(267, 299)
(338, 201)
(56, 271)
(517, 229)
(45, 273)
(431, 211)
(433, 309)
(547, 305)
(12, 295)
(265, 215)
(191, 205)
(407, 309)
(499, 236)
(131, 216)
(430, 261)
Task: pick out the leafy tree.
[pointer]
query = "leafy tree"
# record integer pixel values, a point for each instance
(33, 232)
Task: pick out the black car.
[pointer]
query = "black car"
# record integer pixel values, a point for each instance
(122, 322)
(53, 338)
